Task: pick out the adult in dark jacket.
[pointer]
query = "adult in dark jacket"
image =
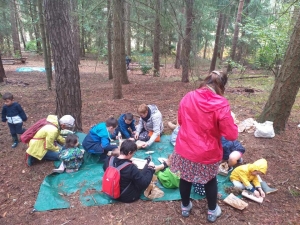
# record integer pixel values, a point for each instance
(132, 178)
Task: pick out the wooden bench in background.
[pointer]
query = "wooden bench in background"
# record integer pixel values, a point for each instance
(12, 61)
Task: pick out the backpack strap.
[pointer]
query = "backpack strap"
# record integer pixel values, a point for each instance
(120, 167)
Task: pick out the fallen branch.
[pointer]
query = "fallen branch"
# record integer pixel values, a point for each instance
(66, 222)
(94, 199)
(240, 78)
(284, 181)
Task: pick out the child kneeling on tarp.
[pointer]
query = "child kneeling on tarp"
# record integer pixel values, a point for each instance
(248, 177)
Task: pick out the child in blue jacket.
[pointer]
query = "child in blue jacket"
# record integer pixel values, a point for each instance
(14, 115)
(97, 141)
(125, 126)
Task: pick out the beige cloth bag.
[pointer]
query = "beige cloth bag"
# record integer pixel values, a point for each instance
(152, 191)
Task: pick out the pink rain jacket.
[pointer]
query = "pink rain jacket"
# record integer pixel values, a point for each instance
(204, 117)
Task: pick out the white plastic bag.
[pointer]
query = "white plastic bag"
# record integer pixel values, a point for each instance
(264, 130)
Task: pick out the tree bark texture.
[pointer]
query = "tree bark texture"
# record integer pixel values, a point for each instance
(124, 77)
(236, 33)
(217, 42)
(178, 53)
(205, 48)
(44, 44)
(127, 28)
(82, 36)
(117, 45)
(109, 39)
(286, 86)
(2, 71)
(67, 80)
(75, 28)
(186, 46)
(49, 62)
(14, 28)
(156, 41)
(223, 35)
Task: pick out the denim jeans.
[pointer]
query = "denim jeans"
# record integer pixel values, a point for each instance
(51, 156)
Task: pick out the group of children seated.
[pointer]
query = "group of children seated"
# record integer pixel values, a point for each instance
(44, 145)
(133, 181)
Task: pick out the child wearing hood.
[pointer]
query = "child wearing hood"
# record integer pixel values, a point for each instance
(248, 177)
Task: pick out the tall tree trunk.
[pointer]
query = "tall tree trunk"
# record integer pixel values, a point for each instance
(109, 40)
(75, 28)
(21, 29)
(124, 77)
(127, 28)
(49, 62)
(44, 44)
(286, 86)
(236, 33)
(14, 27)
(82, 36)
(144, 40)
(138, 35)
(217, 41)
(186, 46)
(7, 37)
(241, 47)
(67, 80)
(223, 36)
(33, 16)
(2, 71)
(117, 45)
(178, 53)
(205, 48)
(156, 41)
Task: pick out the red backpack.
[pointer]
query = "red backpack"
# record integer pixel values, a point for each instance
(31, 131)
(111, 179)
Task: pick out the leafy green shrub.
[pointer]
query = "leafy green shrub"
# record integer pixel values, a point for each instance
(31, 46)
(145, 68)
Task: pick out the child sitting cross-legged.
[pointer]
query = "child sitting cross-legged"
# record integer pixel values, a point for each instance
(71, 155)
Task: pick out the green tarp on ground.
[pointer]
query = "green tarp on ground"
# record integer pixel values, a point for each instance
(60, 191)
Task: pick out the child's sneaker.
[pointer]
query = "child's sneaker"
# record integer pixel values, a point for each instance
(15, 144)
(185, 210)
(212, 215)
(60, 169)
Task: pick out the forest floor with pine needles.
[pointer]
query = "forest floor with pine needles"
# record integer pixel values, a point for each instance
(19, 184)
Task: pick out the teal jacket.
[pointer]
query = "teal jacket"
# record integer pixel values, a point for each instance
(99, 133)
